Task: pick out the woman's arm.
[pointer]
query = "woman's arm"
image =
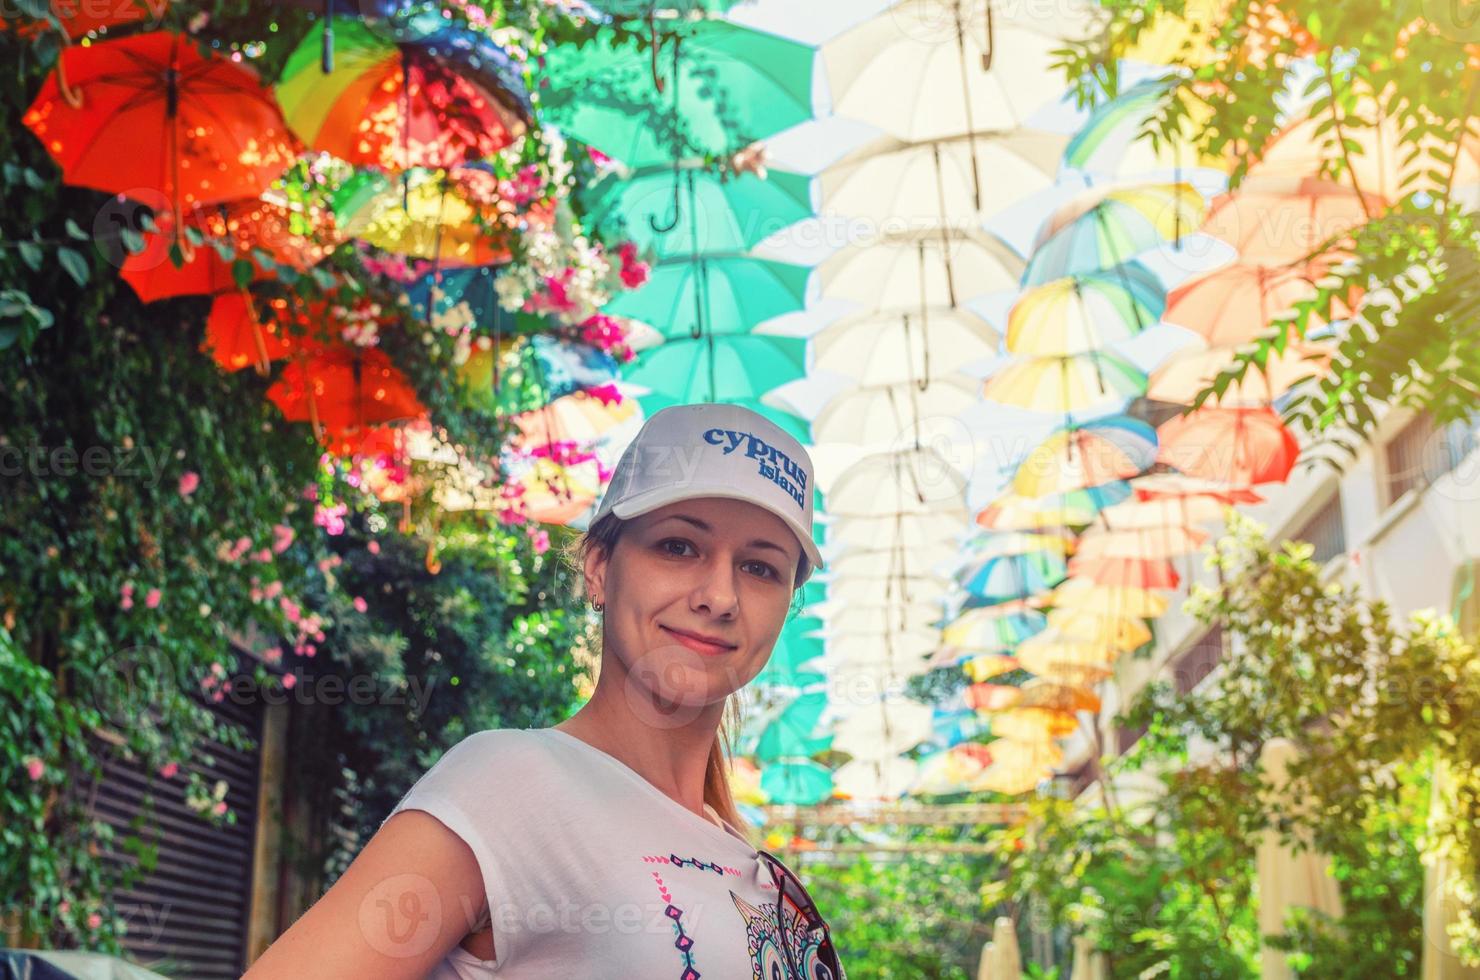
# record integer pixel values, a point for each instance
(411, 895)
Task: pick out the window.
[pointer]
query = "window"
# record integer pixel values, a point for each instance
(1324, 530)
(1421, 453)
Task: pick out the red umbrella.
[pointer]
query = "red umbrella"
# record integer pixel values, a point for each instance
(157, 116)
(1238, 446)
(344, 390)
(237, 337)
(244, 224)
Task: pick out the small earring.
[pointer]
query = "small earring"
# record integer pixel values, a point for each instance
(598, 606)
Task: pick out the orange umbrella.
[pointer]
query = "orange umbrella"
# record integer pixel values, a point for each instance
(1161, 542)
(1137, 514)
(343, 390)
(214, 132)
(236, 337)
(1236, 303)
(991, 697)
(1138, 573)
(1237, 446)
(1277, 221)
(1056, 696)
(1186, 373)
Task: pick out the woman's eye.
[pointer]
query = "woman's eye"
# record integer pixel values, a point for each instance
(676, 541)
(770, 572)
(666, 543)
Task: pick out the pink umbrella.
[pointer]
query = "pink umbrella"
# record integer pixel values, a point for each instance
(1236, 446)
(1280, 221)
(1236, 303)
(1140, 573)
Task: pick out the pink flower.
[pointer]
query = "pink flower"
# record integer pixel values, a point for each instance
(273, 590)
(290, 609)
(541, 540)
(262, 554)
(607, 394)
(189, 480)
(152, 597)
(63, 907)
(360, 604)
(331, 519)
(373, 547)
(597, 157)
(282, 536)
(219, 808)
(35, 768)
(289, 680)
(169, 769)
(127, 602)
(94, 920)
(636, 275)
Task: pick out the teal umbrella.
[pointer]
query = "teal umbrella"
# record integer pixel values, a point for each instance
(790, 732)
(719, 368)
(723, 86)
(798, 781)
(687, 210)
(714, 294)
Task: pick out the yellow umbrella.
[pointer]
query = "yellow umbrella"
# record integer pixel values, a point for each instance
(1107, 600)
(1065, 384)
(985, 666)
(1121, 632)
(1017, 726)
(455, 220)
(1015, 512)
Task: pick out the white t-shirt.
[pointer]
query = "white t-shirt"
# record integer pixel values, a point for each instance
(593, 872)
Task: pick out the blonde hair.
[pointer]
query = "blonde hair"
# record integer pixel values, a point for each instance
(604, 535)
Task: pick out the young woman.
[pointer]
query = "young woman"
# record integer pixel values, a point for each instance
(608, 846)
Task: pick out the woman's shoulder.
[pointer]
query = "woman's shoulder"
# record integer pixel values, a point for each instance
(506, 747)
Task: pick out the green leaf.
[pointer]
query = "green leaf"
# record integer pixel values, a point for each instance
(76, 266)
(242, 272)
(31, 255)
(133, 242)
(76, 231)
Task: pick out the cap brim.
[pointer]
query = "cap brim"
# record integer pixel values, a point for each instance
(642, 503)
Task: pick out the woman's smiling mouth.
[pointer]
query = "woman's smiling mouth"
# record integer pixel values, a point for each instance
(696, 644)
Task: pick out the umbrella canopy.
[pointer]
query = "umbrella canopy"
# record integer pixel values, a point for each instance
(920, 269)
(1066, 384)
(1110, 141)
(1163, 542)
(802, 782)
(1279, 221)
(1185, 374)
(714, 294)
(606, 95)
(217, 134)
(1117, 572)
(890, 348)
(685, 210)
(1014, 512)
(1086, 455)
(237, 338)
(344, 390)
(1104, 227)
(1085, 595)
(1082, 313)
(433, 99)
(719, 367)
(453, 217)
(1236, 446)
(1121, 632)
(1003, 578)
(924, 70)
(1237, 303)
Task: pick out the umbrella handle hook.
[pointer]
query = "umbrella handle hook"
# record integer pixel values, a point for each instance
(671, 222)
(72, 95)
(653, 41)
(991, 39)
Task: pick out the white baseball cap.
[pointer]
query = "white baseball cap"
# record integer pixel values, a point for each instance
(715, 450)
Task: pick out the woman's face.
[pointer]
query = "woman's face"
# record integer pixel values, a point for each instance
(711, 566)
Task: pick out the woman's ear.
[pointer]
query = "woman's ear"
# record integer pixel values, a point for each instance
(597, 560)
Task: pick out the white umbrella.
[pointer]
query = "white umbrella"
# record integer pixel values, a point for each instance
(886, 348)
(926, 556)
(883, 729)
(940, 181)
(1287, 878)
(908, 270)
(920, 69)
(910, 481)
(891, 415)
(872, 780)
(837, 614)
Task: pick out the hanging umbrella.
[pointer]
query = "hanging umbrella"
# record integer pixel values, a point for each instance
(1015, 512)
(884, 728)
(1383, 157)
(1110, 140)
(875, 780)
(1018, 766)
(919, 269)
(859, 415)
(1162, 486)
(344, 389)
(1084, 595)
(1019, 728)
(890, 348)
(992, 697)
(951, 770)
(1065, 384)
(1051, 652)
(1185, 374)
(216, 132)
(923, 70)
(982, 546)
(1278, 221)
(1125, 633)
(1136, 573)
(1238, 302)
(451, 217)
(237, 338)
(1004, 578)
(941, 178)
(1086, 455)
(719, 368)
(1085, 312)
(718, 79)
(790, 730)
(579, 417)
(1238, 446)
(985, 666)
(802, 782)
(435, 100)
(1052, 695)
(714, 294)
(1106, 226)
(1163, 542)
(684, 209)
